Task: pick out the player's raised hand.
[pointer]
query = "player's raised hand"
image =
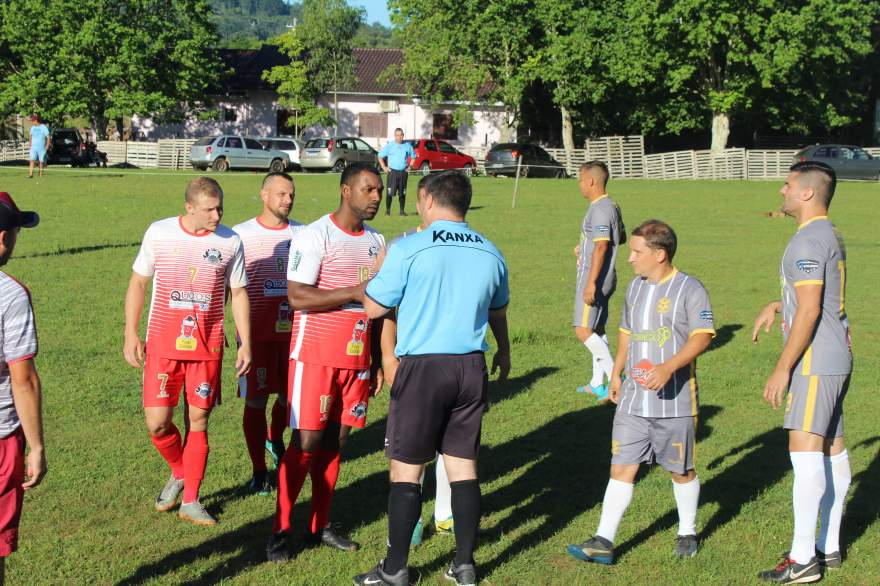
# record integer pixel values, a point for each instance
(35, 469)
(243, 360)
(133, 350)
(658, 376)
(776, 387)
(765, 319)
(501, 363)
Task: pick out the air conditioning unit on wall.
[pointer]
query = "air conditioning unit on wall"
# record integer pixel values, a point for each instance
(388, 106)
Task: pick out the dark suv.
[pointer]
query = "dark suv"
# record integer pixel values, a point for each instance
(502, 159)
(68, 147)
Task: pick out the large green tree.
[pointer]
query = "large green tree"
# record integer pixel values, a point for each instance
(105, 60)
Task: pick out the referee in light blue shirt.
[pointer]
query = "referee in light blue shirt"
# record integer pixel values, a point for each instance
(400, 156)
(449, 284)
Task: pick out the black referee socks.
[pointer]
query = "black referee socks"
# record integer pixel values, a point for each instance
(404, 510)
(466, 513)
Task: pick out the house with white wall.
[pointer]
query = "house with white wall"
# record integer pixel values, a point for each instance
(371, 108)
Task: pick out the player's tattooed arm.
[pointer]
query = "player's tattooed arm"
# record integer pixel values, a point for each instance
(619, 364)
(765, 319)
(133, 346)
(809, 308)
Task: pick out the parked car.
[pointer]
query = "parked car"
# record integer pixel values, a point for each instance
(536, 162)
(68, 147)
(848, 161)
(227, 151)
(433, 155)
(291, 147)
(321, 154)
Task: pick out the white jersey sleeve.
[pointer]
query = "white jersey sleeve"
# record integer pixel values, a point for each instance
(237, 276)
(306, 254)
(145, 262)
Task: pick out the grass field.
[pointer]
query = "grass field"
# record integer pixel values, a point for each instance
(545, 457)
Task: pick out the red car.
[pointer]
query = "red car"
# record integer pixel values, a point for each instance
(432, 155)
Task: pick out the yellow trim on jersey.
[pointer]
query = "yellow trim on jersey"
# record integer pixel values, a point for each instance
(703, 331)
(606, 238)
(603, 196)
(585, 316)
(693, 382)
(811, 403)
(841, 266)
(624, 331)
(810, 282)
(669, 276)
(811, 220)
(694, 445)
(808, 361)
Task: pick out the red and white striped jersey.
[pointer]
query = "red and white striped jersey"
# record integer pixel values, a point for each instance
(266, 251)
(190, 275)
(329, 257)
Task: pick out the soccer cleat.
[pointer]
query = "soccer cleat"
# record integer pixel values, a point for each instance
(686, 546)
(259, 485)
(169, 495)
(829, 560)
(277, 550)
(377, 576)
(600, 391)
(790, 572)
(196, 513)
(444, 527)
(463, 575)
(276, 452)
(596, 549)
(416, 539)
(330, 538)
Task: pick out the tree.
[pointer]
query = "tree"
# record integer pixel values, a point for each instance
(105, 60)
(295, 89)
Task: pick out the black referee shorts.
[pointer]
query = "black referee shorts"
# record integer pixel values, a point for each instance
(397, 183)
(437, 404)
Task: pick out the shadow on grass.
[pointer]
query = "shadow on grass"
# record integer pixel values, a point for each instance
(723, 335)
(80, 250)
(863, 509)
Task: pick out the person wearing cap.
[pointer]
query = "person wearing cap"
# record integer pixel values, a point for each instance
(38, 142)
(21, 419)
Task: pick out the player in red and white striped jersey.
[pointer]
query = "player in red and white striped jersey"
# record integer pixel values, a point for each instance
(334, 362)
(191, 260)
(266, 241)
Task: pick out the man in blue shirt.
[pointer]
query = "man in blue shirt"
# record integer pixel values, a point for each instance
(38, 141)
(400, 155)
(449, 284)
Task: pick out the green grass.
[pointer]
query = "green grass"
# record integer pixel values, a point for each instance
(545, 457)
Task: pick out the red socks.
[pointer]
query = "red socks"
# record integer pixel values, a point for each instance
(254, 425)
(195, 460)
(324, 473)
(279, 422)
(170, 448)
(291, 474)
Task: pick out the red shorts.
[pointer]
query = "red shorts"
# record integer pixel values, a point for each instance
(165, 378)
(319, 394)
(11, 492)
(268, 374)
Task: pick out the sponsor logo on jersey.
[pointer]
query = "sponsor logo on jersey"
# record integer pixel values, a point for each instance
(213, 256)
(359, 411)
(295, 259)
(374, 251)
(189, 300)
(275, 288)
(659, 336)
(706, 316)
(663, 304)
(641, 371)
(806, 265)
(261, 378)
(602, 228)
(281, 263)
(282, 323)
(355, 346)
(203, 390)
(186, 340)
(444, 236)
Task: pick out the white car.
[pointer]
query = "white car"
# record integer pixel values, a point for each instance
(291, 147)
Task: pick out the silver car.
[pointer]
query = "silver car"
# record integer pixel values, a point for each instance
(848, 161)
(289, 146)
(228, 151)
(334, 154)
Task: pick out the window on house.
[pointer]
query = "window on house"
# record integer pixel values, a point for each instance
(444, 127)
(229, 115)
(287, 123)
(373, 125)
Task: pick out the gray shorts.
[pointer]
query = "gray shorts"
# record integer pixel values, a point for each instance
(668, 441)
(590, 316)
(815, 404)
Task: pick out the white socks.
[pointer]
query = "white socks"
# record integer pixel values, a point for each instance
(443, 500)
(618, 496)
(837, 479)
(687, 497)
(602, 361)
(809, 486)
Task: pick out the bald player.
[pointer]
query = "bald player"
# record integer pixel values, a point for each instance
(266, 239)
(667, 322)
(814, 368)
(601, 233)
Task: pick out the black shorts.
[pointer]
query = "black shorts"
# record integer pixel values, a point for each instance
(437, 404)
(397, 183)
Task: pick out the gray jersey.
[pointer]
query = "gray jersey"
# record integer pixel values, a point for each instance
(18, 341)
(815, 255)
(659, 318)
(602, 222)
